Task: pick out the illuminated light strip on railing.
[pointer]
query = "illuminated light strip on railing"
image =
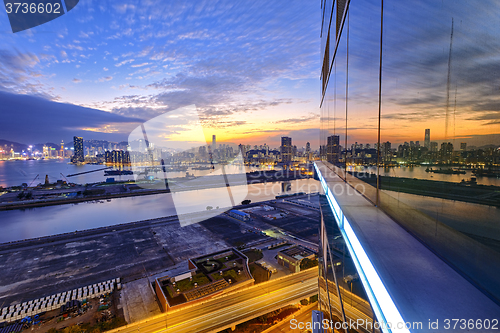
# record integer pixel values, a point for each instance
(382, 303)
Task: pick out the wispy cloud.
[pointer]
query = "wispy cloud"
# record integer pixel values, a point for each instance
(140, 65)
(124, 62)
(300, 120)
(104, 79)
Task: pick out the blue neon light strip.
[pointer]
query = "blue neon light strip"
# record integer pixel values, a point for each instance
(381, 301)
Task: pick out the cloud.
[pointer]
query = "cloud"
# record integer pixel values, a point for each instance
(218, 67)
(122, 8)
(77, 80)
(222, 124)
(225, 58)
(299, 137)
(124, 62)
(17, 73)
(140, 65)
(45, 120)
(104, 79)
(303, 119)
(86, 34)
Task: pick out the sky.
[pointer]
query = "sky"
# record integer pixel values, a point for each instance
(250, 69)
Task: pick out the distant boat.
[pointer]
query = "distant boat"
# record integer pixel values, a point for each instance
(117, 172)
(203, 168)
(486, 173)
(471, 181)
(448, 171)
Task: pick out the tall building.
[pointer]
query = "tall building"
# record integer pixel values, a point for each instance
(117, 157)
(386, 152)
(463, 146)
(434, 146)
(286, 149)
(214, 143)
(427, 139)
(78, 155)
(333, 149)
(446, 151)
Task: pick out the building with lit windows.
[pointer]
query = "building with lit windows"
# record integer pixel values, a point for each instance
(286, 149)
(333, 149)
(78, 155)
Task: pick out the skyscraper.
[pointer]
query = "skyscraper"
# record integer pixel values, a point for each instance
(333, 149)
(214, 143)
(427, 139)
(78, 150)
(286, 149)
(387, 151)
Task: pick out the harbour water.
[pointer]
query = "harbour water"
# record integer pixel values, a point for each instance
(418, 172)
(16, 172)
(51, 220)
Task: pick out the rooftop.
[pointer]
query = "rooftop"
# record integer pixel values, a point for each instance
(298, 252)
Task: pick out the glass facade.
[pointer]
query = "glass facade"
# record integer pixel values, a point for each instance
(410, 115)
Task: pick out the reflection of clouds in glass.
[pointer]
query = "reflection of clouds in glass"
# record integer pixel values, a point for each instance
(415, 86)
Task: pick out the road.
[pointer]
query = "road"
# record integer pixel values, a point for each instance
(285, 326)
(355, 307)
(224, 311)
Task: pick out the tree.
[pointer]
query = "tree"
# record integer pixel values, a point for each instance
(308, 263)
(246, 202)
(20, 195)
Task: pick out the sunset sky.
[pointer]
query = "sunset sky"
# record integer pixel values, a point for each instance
(250, 68)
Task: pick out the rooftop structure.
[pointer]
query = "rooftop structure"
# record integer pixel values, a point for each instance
(293, 257)
(208, 275)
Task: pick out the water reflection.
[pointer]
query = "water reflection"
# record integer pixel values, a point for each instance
(44, 221)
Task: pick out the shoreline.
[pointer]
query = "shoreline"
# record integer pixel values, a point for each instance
(4, 206)
(82, 234)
